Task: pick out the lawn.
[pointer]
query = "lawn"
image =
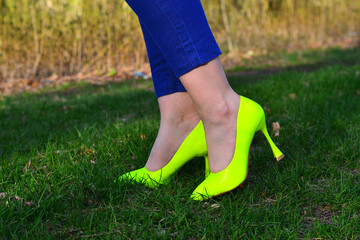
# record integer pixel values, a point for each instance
(61, 150)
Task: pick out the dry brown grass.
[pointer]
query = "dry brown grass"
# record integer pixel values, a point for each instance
(67, 37)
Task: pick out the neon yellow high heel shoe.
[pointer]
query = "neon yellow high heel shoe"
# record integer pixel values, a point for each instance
(250, 119)
(193, 146)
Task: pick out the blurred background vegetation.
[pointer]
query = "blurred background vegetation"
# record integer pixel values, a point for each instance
(40, 38)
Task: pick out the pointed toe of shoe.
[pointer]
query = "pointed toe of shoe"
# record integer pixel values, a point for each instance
(219, 183)
(141, 175)
(197, 197)
(202, 193)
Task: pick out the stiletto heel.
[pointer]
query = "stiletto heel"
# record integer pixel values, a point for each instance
(277, 153)
(250, 118)
(193, 146)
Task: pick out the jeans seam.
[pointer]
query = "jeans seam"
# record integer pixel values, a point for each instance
(177, 35)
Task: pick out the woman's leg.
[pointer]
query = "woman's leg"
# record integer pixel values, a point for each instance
(178, 114)
(178, 29)
(178, 119)
(217, 105)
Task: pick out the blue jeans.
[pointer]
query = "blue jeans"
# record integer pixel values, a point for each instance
(177, 37)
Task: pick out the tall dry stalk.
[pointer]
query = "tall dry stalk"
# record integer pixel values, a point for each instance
(66, 37)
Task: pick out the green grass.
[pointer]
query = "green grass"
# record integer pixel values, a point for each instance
(80, 138)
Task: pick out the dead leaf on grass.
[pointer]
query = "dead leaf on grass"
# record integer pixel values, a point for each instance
(276, 128)
(20, 199)
(3, 195)
(293, 96)
(27, 165)
(269, 200)
(215, 205)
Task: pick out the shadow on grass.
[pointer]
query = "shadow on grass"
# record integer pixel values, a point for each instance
(303, 62)
(30, 121)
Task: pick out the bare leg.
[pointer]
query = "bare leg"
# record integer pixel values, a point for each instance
(217, 105)
(178, 118)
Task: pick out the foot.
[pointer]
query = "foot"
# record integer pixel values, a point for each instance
(172, 133)
(178, 118)
(181, 137)
(220, 129)
(250, 119)
(194, 145)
